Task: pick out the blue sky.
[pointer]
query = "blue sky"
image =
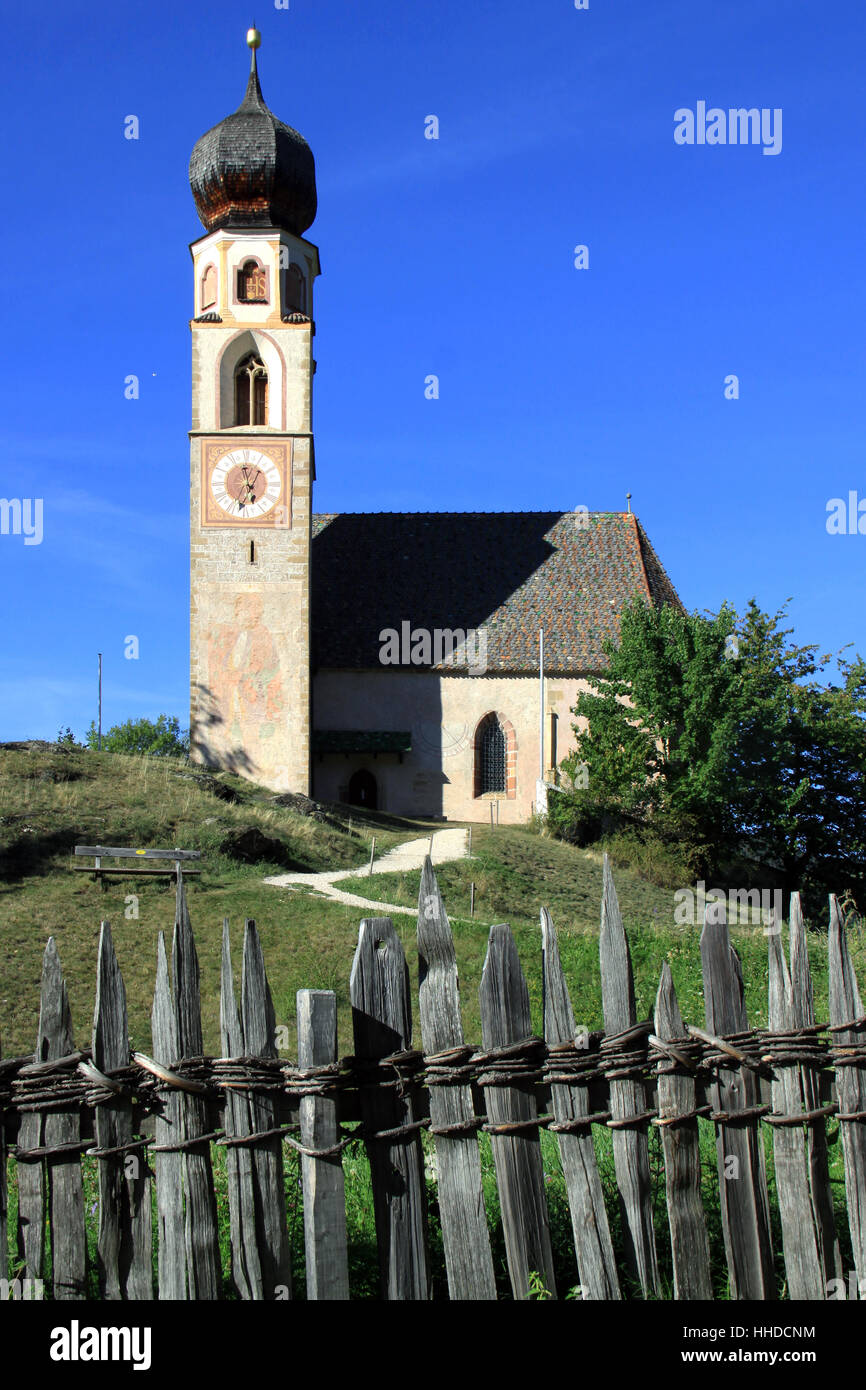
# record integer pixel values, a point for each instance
(558, 387)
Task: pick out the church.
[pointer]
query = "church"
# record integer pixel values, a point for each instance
(421, 664)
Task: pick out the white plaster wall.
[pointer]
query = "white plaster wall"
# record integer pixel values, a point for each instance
(442, 714)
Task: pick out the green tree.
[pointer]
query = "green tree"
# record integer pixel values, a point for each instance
(162, 739)
(713, 731)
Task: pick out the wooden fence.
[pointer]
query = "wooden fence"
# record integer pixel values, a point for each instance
(168, 1109)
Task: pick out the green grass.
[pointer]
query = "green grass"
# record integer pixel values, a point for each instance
(308, 940)
(51, 800)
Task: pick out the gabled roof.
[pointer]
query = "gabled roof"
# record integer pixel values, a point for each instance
(508, 572)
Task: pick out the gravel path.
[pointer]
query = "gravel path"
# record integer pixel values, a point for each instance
(447, 845)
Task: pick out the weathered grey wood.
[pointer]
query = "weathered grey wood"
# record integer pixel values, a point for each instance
(4, 1200)
(52, 1186)
(32, 1192)
(65, 1189)
(124, 852)
(168, 1167)
(816, 1092)
(505, 1020)
(382, 1025)
(628, 1097)
(803, 1268)
(690, 1247)
(246, 1265)
(592, 1243)
(204, 1274)
(124, 1241)
(324, 1189)
(37, 1192)
(846, 1008)
(465, 1237)
(742, 1176)
(259, 1025)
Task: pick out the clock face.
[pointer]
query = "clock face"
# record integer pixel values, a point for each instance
(246, 485)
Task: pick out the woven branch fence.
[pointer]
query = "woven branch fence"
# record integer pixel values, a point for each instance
(155, 1119)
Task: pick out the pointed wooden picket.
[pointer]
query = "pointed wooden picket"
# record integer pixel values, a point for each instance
(512, 1113)
(52, 1185)
(204, 1273)
(628, 1097)
(465, 1236)
(124, 1242)
(259, 1029)
(816, 1092)
(382, 1025)
(246, 1265)
(596, 1262)
(66, 1192)
(800, 1242)
(322, 1172)
(168, 1162)
(678, 1122)
(849, 1040)
(742, 1175)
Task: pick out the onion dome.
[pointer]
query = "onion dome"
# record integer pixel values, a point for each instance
(252, 170)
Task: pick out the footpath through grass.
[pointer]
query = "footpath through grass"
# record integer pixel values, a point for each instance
(51, 800)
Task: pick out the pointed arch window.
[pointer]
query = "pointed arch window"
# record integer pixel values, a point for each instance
(252, 284)
(491, 756)
(251, 391)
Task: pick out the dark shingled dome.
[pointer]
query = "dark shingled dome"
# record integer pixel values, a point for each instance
(251, 170)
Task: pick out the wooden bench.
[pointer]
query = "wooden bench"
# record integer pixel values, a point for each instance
(100, 852)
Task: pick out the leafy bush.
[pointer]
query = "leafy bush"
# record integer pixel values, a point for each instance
(712, 735)
(163, 739)
(67, 740)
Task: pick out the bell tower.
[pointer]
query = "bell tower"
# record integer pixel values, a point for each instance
(251, 445)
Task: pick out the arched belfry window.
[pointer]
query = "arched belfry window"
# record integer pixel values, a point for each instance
(295, 291)
(252, 283)
(251, 392)
(491, 756)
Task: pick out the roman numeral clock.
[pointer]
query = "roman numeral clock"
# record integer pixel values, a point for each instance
(246, 485)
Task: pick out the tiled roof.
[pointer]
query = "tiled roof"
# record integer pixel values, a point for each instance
(508, 572)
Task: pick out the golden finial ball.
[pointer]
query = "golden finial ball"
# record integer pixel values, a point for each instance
(254, 38)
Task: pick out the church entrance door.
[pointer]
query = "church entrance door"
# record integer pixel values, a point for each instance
(363, 790)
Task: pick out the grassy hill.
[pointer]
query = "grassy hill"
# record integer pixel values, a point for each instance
(51, 799)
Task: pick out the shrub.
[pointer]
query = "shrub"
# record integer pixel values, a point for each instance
(163, 739)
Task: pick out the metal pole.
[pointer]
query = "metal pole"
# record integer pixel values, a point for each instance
(99, 730)
(541, 704)
(472, 900)
(372, 852)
